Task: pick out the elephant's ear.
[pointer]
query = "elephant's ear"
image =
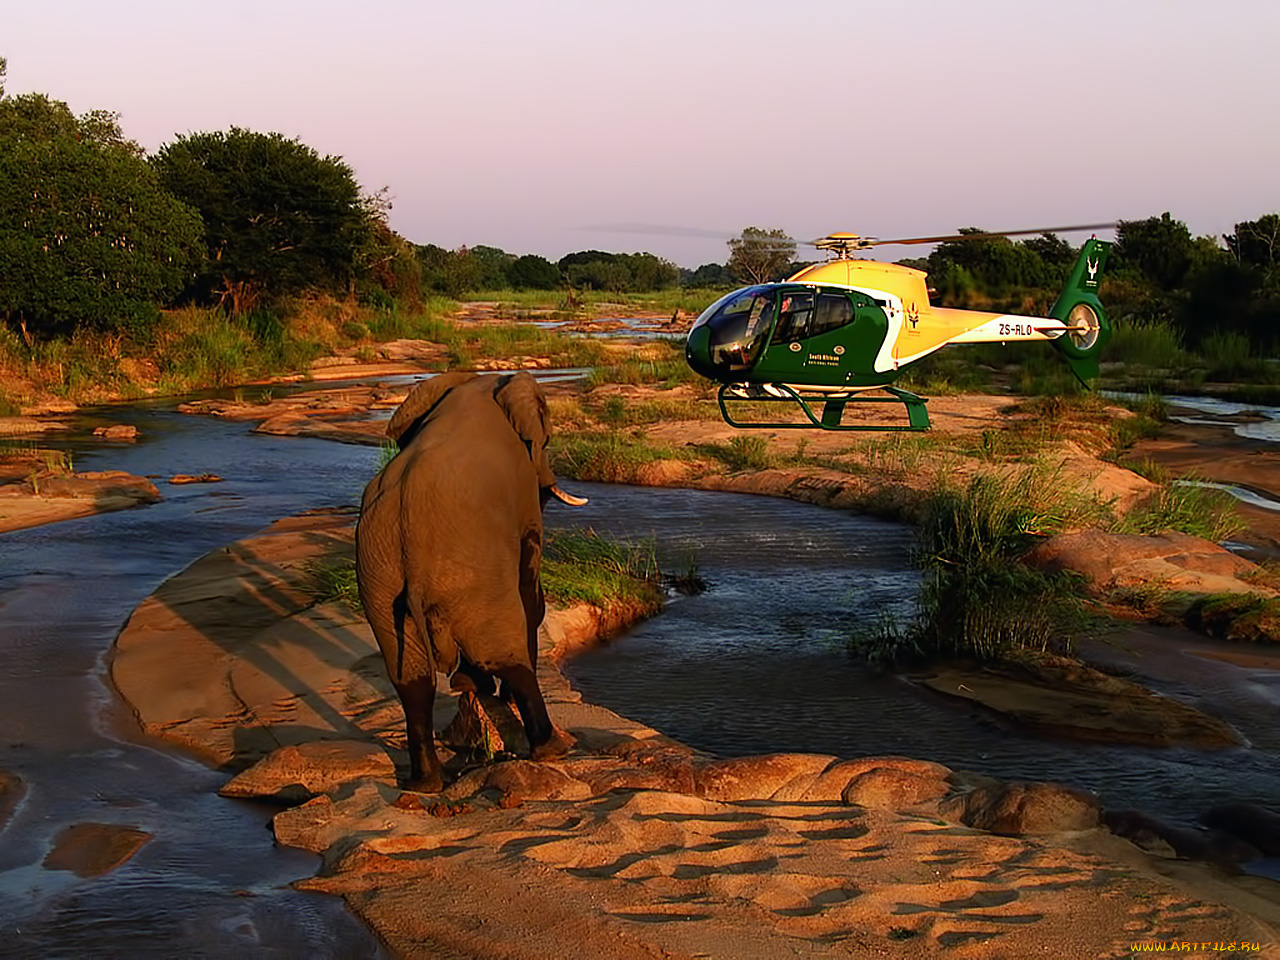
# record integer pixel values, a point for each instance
(522, 401)
(419, 402)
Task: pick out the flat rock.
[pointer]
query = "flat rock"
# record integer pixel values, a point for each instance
(520, 780)
(117, 431)
(756, 778)
(92, 849)
(100, 485)
(1060, 696)
(299, 772)
(1175, 561)
(51, 499)
(25, 426)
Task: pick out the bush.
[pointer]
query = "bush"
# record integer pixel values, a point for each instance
(1237, 616)
(978, 600)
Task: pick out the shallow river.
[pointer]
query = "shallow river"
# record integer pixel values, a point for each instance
(211, 882)
(756, 664)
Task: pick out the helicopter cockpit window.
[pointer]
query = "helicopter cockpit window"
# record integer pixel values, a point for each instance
(738, 325)
(834, 310)
(795, 316)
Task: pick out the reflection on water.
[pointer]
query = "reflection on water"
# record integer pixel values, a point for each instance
(757, 664)
(1264, 423)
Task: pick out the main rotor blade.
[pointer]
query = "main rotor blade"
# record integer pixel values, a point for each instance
(992, 233)
(660, 230)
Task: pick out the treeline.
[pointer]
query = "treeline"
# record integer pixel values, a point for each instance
(467, 269)
(97, 235)
(1158, 273)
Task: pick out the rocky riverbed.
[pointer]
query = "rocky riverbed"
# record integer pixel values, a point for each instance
(635, 845)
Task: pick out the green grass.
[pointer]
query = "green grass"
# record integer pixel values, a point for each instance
(895, 455)
(1200, 511)
(604, 456)
(616, 411)
(333, 580)
(950, 371)
(663, 363)
(602, 303)
(1237, 616)
(743, 452)
(1155, 344)
(578, 567)
(584, 567)
(977, 599)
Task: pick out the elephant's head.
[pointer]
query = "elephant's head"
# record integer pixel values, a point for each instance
(519, 397)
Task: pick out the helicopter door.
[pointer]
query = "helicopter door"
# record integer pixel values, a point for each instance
(795, 316)
(835, 310)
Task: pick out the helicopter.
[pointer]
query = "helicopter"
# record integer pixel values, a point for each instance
(835, 331)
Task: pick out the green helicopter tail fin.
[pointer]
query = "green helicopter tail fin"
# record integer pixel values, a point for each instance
(1078, 307)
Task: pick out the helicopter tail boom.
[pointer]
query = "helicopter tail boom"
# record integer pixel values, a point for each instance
(1080, 311)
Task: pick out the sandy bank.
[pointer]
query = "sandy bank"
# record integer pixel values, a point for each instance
(631, 846)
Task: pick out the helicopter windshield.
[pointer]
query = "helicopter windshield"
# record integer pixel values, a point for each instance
(738, 325)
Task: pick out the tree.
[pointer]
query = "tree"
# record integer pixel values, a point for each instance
(279, 218)
(492, 266)
(760, 255)
(1256, 243)
(1160, 249)
(532, 272)
(650, 272)
(88, 235)
(36, 118)
(596, 270)
(388, 267)
(709, 275)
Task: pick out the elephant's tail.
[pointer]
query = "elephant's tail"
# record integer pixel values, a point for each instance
(437, 636)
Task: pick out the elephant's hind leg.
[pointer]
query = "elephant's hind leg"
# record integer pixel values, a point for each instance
(418, 697)
(547, 742)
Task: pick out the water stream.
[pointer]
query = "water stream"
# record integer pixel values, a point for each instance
(758, 663)
(210, 882)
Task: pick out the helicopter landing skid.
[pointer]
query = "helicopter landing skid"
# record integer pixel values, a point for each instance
(833, 405)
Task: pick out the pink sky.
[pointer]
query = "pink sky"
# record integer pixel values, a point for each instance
(524, 124)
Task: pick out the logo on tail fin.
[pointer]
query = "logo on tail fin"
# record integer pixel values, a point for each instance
(1092, 267)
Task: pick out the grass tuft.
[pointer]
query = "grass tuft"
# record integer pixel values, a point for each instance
(333, 580)
(581, 566)
(1188, 507)
(603, 456)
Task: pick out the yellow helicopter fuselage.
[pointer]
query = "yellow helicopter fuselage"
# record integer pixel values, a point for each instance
(916, 327)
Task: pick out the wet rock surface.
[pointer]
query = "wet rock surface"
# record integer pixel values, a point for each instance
(92, 849)
(12, 790)
(1064, 697)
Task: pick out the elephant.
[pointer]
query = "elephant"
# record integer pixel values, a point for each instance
(449, 548)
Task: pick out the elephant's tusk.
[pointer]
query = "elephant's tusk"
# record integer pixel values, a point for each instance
(568, 498)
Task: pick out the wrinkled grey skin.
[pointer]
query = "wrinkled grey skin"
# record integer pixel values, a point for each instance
(449, 547)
